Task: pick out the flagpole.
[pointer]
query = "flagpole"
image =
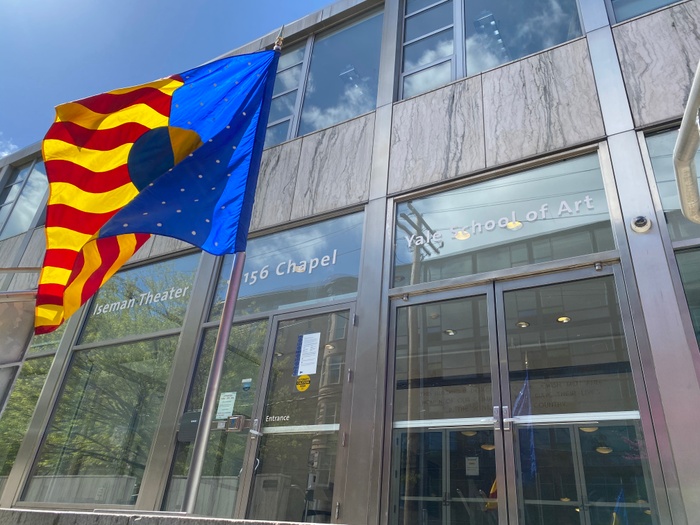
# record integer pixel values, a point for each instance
(199, 448)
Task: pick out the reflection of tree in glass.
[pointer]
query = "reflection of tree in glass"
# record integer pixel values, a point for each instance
(132, 306)
(19, 409)
(225, 450)
(107, 412)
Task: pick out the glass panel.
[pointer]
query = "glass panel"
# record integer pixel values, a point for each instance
(566, 349)
(428, 21)
(282, 106)
(27, 203)
(10, 192)
(142, 300)
(98, 442)
(626, 9)
(290, 57)
(287, 80)
(44, 343)
(499, 31)
(295, 471)
(343, 75)
(294, 480)
(299, 267)
(543, 214)
(689, 264)
(18, 411)
(7, 374)
(442, 361)
(611, 485)
(16, 326)
(427, 50)
(661, 154)
(414, 5)
(277, 134)
(427, 79)
(225, 451)
(445, 477)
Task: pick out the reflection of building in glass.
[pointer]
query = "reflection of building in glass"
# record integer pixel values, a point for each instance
(487, 26)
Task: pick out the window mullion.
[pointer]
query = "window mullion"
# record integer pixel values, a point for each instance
(459, 67)
(306, 64)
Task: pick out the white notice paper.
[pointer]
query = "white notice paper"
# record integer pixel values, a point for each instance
(308, 354)
(226, 402)
(472, 466)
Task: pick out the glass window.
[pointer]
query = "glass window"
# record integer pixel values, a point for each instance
(660, 148)
(543, 214)
(16, 325)
(18, 411)
(495, 32)
(284, 95)
(20, 199)
(689, 264)
(626, 9)
(343, 75)
(142, 300)
(303, 266)
(224, 459)
(98, 442)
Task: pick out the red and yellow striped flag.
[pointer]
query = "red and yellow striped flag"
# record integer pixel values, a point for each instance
(86, 152)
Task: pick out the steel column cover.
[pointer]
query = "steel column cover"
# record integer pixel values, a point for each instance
(360, 501)
(675, 359)
(593, 14)
(617, 116)
(155, 476)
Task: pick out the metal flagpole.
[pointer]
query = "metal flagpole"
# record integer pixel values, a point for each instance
(199, 449)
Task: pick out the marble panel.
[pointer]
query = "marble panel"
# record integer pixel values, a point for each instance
(275, 191)
(659, 54)
(334, 168)
(541, 104)
(167, 245)
(437, 136)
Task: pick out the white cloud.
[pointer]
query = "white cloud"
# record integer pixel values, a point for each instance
(6, 146)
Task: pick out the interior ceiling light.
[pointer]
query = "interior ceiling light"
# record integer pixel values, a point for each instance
(588, 429)
(329, 346)
(522, 324)
(450, 332)
(563, 319)
(434, 315)
(564, 499)
(603, 449)
(514, 225)
(462, 235)
(469, 433)
(488, 446)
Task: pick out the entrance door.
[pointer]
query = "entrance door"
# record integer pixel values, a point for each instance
(298, 427)
(515, 403)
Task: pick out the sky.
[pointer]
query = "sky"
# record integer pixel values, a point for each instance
(55, 51)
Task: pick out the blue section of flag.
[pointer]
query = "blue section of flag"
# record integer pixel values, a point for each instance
(207, 199)
(620, 512)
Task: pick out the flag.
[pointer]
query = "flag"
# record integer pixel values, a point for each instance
(619, 515)
(177, 157)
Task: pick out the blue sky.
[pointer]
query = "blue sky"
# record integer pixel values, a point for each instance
(54, 51)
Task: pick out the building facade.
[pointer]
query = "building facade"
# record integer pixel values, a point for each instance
(469, 293)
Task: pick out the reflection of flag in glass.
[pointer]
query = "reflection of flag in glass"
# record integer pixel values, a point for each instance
(177, 157)
(619, 516)
(523, 407)
(492, 501)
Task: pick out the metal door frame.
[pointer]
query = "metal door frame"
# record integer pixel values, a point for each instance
(247, 476)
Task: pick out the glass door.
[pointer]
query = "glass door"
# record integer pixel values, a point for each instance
(298, 431)
(570, 415)
(516, 404)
